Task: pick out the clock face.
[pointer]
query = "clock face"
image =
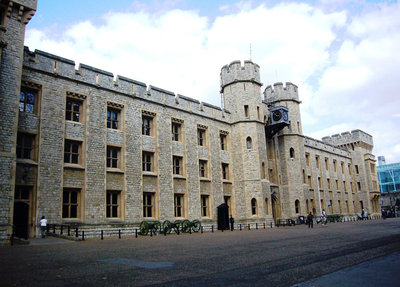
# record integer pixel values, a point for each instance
(285, 115)
(276, 115)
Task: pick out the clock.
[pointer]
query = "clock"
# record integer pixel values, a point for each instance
(277, 115)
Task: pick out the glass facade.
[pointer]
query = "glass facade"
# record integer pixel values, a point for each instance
(389, 177)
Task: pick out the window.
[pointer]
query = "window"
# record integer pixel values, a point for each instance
(329, 183)
(178, 204)
(248, 142)
(25, 145)
(227, 200)
(326, 163)
(177, 165)
(147, 123)
(337, 184)
(350, 172)
(73, 110)
(71, 203)
(319, 183)
(317, 162)
(253, 206)
(246, 111)
(223, 139)
(331, 206)
(72, 151)
(148, 204)
(258, 113)
(225, 171)
(203, 168)
(334, 165)
(344, 186)
(342, 165)
(297, 206)
(113, 157)
(309, 181)
(27, 100)
(358, 186)
(263, 171)
(291, 152)
(307, 159)
(113, 205)
(266, 206)
(201, 137)
(147, 161)
(113, 116)
(204, 206)
(176, 131)
(356, 167)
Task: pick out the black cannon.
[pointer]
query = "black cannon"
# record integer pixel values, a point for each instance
(167, 226)
(153, 226)
(194, 225)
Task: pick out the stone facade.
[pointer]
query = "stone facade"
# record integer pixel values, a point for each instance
(96, 150)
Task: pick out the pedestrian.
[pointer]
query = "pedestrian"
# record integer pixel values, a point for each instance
(231, 221)
(43, 225)
(323, 217)
(362, 214)
(310, 220)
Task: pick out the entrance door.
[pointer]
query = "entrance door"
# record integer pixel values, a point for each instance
(275, 208)
(21, 219)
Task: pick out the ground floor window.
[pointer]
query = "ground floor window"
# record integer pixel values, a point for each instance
(113, 204)
(71, 203)
(204, 206)
(148, 204)
(253, 206)
(178, 205)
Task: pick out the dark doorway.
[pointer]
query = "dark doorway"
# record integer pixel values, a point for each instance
(21, 217)
(223, 217)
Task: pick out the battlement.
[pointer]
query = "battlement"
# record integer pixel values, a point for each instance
(354, 136)
(59, 67)
(281, 93)
(235, 72)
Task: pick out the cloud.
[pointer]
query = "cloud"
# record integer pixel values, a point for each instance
(346, 65)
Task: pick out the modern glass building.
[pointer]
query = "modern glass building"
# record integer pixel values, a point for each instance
(389, 177)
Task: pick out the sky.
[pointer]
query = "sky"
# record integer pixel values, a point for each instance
(344, 55)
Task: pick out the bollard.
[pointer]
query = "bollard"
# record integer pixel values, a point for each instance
(54, 228)
(201, 229)
(256, 225)
(264, 225)
(212, 228)
(83, 235)
(61, 229)
(136, 232)
(119, 233)
(249, 226)
(69, 230)
(102, 235)
(76, 232)
(271, 224)
(240, 227)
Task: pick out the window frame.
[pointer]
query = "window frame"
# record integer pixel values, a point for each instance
(203, 168)
(148, 209)
(70, 113)
(225, 171)
(111, 205)
(177, 165)
(201, 137)
(110, 158)
(110, 121)
(179, 205)
(148, 161)
(22, 148)
(69, 205)
(71, 153)
(205, 208)
(25, 102)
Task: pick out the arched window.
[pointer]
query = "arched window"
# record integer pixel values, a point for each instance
(297, 206)
(248, 142)
(253, 206)
(263, 173)
(291, 152)
(266, 206)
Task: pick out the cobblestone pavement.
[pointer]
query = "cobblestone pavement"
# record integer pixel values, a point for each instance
(265, 257)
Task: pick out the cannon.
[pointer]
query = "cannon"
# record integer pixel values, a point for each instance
(167, 226)
(188, 225)
(152, 226)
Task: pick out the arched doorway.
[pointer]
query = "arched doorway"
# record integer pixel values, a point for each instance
(21, 218)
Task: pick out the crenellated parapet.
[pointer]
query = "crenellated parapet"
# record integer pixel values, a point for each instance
(353, 137)
(279, 92)
(56, 66)
(236, 72)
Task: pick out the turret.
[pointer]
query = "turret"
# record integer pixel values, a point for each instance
(281, 93)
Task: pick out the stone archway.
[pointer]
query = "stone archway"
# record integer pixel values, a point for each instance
(276, 211)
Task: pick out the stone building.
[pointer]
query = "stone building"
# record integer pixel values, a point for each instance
(82, 146)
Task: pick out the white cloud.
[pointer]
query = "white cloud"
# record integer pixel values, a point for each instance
(346, 66)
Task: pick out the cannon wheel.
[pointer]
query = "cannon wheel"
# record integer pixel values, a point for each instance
(186, 225)
(156, 227)
(144, 228)
(196, 225)
(167, 227)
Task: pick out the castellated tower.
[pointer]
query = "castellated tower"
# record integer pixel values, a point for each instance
(286, 152)
(241, 96)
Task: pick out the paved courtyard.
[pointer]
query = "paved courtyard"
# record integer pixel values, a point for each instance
(265, 257)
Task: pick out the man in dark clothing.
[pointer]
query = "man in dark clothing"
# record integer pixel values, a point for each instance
(310, 220)
(231, 221)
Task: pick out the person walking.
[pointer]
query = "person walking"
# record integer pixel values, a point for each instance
(310, 220)
(323, 217)
(43, 225)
